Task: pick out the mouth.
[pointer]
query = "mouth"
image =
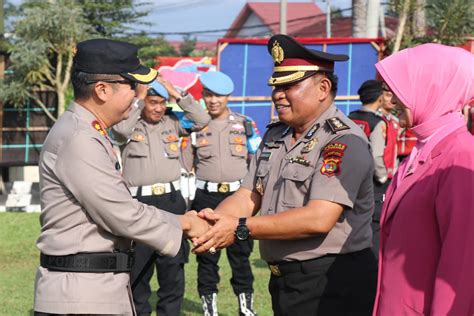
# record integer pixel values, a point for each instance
(282, 107)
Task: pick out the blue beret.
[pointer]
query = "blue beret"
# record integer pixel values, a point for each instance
(217, 82)
(156, 88)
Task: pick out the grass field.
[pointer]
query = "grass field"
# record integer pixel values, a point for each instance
(19, 259)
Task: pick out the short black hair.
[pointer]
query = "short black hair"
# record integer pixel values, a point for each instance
(83, 89)
(334, 80)
(370, 91)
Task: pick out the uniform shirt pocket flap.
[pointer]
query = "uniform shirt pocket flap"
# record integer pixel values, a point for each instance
(297, 172)
(170, 138)
(138, 137)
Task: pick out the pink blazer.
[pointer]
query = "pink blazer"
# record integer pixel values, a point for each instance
(426, 255)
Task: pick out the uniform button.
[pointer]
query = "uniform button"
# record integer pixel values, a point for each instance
(295, 175)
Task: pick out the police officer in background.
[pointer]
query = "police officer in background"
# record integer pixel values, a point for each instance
(152, 171)
(88, 218)
(221, 153)
(311, 180)
(383, 140)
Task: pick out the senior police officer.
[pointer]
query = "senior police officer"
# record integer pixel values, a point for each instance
(89, 218)
(152, 170)
(311, 180)
(221, 152)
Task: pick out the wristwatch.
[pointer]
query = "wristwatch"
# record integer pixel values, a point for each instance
(242, 232)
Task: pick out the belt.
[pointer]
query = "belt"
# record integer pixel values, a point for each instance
(223, 187)
(286, 267)
(98, 262)
(155, 189)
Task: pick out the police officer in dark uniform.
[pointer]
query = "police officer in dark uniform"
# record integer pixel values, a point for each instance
(152, 170)
(221, 151)
(311, 182)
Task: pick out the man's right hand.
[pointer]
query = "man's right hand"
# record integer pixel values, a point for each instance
(193, 226)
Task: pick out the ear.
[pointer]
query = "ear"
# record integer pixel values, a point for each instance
(325, 86)
(102, 91)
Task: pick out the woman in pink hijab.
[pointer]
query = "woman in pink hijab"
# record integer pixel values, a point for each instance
(426, 253)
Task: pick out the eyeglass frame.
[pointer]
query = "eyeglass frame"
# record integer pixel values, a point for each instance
(133, 84)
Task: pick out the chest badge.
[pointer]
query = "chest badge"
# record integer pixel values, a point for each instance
(172, 138)
(173, 147)
(309, 146)
(239, 148)
(203, 142)
(138, 137)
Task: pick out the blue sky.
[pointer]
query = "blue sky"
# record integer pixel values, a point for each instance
(198, 15)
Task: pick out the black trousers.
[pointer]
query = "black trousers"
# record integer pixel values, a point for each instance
(338, 285)
(379, 192)
(170, 270)
(238, 255)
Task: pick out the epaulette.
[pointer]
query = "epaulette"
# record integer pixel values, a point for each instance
(274, 124)
(245, 117)
(336, 125)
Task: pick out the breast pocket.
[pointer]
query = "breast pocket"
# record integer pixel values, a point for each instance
(203, 149)
(296, 180)
(171, 144)
(238, 146)
(138, 146)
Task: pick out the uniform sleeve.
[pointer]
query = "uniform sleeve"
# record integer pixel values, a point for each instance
(248, 181)
(344, 164)
(194, 112)
(378, 141)
(121, 131)
(87, 171)
(453, 292)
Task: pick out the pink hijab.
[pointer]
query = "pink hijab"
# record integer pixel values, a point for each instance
(434, 81)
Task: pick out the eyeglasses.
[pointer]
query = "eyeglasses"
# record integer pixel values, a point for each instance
(133, 84)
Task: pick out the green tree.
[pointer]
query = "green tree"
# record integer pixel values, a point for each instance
(450, 22)
(447, 22)
(44, 40)
(109, 18)
(187, 46)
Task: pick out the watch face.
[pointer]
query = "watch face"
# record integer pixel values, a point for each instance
(242, 232)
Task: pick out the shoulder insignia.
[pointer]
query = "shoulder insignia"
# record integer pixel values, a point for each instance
(332, 158)
(336, 124)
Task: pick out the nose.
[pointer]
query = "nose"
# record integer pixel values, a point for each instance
(278, 94)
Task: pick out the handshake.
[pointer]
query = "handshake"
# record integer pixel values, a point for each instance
(209, 231)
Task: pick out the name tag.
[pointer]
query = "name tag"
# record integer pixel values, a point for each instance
(265, 155)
